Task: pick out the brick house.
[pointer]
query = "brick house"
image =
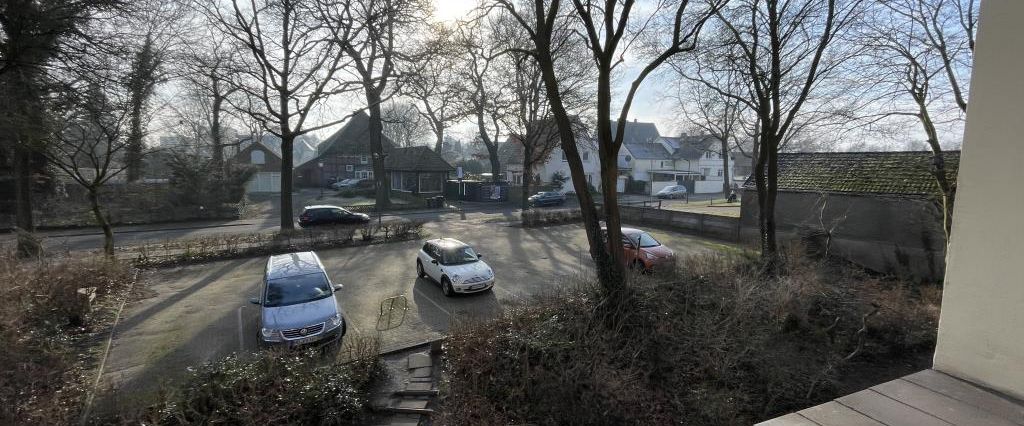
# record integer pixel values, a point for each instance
(345, 154)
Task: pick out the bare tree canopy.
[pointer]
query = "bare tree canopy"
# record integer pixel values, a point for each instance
(292, 58)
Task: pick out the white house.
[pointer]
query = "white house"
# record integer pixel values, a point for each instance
(692, 161)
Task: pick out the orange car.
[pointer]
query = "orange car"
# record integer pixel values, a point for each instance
(641, 251)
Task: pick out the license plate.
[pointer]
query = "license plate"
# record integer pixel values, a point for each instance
(305, 340)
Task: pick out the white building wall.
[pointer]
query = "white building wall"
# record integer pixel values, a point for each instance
(591, 167)
(981, 327)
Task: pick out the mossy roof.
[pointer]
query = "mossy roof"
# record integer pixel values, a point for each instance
(906, 173)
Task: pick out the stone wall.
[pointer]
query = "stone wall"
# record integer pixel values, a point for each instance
(886, 234)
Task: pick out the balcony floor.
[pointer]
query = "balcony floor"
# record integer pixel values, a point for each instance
(924, 398)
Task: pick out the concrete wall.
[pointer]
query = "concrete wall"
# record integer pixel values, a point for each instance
(981, 330)
(721, 227)
(892, 235)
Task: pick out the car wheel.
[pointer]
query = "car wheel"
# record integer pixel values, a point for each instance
(446, 287)
(419, 269)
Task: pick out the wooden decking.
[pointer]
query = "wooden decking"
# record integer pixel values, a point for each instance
(924, 398)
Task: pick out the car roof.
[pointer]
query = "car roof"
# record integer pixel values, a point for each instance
(292, 264)
(446, 243)
(626, 231)
(322, 206)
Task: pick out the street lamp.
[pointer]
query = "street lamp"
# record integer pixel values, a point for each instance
(320, 164)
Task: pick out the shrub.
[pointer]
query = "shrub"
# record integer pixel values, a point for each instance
(42, 328)
(537, 217)
(273, 387)
(712, 342)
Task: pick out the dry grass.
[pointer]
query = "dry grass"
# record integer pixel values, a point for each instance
(46, 337)
(710, 343)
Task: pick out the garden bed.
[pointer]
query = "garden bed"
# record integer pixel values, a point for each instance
(711, 343)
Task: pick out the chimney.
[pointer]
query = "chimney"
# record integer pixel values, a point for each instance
(634, 120)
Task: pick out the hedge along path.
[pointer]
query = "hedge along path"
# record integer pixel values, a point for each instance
(87, 410)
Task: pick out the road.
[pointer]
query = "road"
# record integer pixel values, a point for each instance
(92, 238)
(199, 313)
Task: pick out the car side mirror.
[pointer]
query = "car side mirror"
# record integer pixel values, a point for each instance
(254, 300)
(337, 287)
(479, 256)
(434, 261)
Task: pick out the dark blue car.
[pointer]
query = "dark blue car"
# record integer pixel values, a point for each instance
(541, 199)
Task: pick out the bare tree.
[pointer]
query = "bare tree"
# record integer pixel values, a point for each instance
(89, 137)
(206, 73)
(715, 115)
(287, 72)
(782, 51)
(486, 99)
(436, 86)
(36, 38)
(403, 124)
(610, 31)
(921, 52)
(375, 46)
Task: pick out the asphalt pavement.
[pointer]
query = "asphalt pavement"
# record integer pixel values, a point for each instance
(198, 313)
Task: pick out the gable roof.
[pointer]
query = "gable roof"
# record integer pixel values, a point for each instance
(415, 159)
(693, 147)
(906, 173)
(637, 132)
(648, 151)
(353, 138)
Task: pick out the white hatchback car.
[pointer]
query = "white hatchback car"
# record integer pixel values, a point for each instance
(454, 265)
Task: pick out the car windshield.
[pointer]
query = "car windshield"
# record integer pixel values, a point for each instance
(297, 289)
(457, 255)
(646, 240)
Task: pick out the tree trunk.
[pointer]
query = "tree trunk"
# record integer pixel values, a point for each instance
(610, 272)
(527, 175)
(492, 146)
(216, 136)
(765, 178)
(101, 220)
(27, 245)
(133, 148)
(287, 166)
(439, 143)
(726, 182)
(373, 100)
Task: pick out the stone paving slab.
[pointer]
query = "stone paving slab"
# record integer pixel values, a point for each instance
(419, 360)
(422, 372)
(416, 404)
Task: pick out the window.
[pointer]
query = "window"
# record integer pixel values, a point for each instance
(297, 289)
(431, 182)
(586, 155)
(707, 155)
(348, 167)
(706, 171)
(666, 164)
(364, 174)
(363, 159)
(719, 172)
(719, 156)
(628, 158)
(257, 157)
(458, 255)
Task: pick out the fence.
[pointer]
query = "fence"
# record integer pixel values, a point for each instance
(721, 227)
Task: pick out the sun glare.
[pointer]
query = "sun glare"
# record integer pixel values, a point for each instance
(450, 10)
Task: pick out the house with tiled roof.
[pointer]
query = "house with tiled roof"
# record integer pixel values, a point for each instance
(345, 154)
(694, 161)
(416, 170)
(881, 210)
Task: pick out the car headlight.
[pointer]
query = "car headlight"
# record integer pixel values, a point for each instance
(455, 278)
(268, 332)
(336, 320)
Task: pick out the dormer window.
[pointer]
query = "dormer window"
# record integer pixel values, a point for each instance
(363, 159)
(628, 158)
(257, 157)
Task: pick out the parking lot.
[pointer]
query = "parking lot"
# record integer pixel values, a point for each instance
(197, 313)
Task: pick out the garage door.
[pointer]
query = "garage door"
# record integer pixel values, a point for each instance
(265, 182)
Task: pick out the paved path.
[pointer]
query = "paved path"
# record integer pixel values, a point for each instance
(200, 312)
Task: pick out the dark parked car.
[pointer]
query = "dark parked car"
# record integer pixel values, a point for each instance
(546, 199)
(329, 215)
